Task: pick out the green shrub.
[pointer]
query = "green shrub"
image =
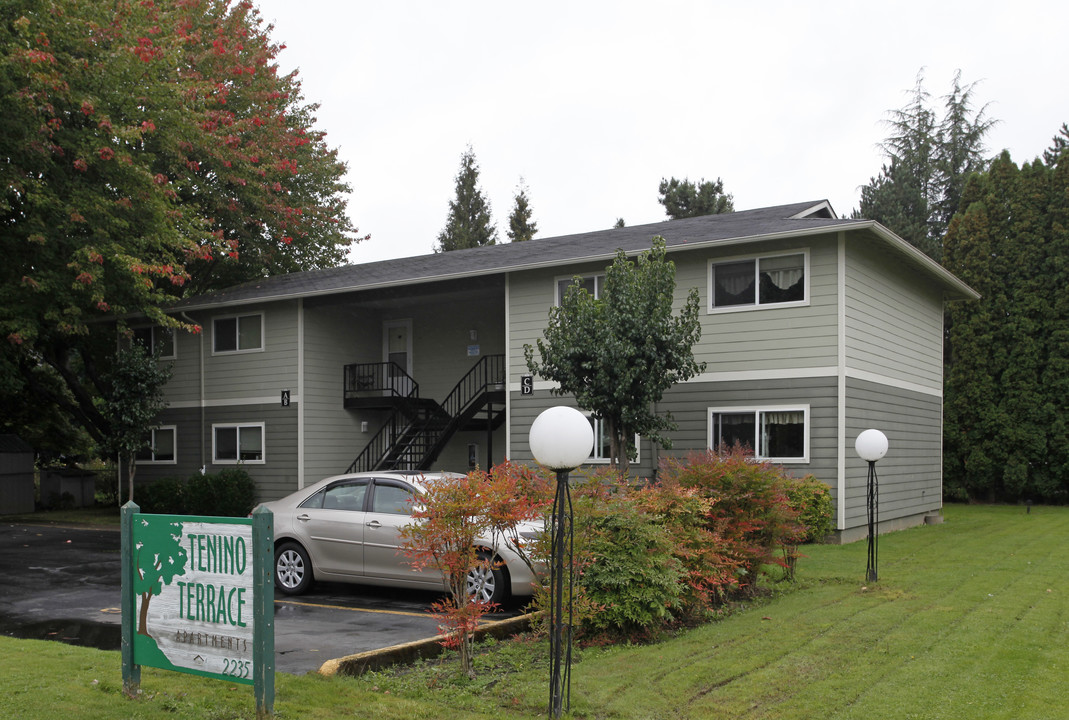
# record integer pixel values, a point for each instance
(228, 493)
(627, 575)
(165, 496)
(811, 499)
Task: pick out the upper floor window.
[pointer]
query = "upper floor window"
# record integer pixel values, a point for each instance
(232, 444)
(161, 448)
(157, 340)
(779, 433)
(591, 283)
(760, 281)
(243, 333)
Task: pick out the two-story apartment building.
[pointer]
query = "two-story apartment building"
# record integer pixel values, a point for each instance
(814, 328)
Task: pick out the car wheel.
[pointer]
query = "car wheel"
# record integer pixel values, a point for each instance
(488, 583)
(293, 569)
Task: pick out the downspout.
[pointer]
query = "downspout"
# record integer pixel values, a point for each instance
(200, 370)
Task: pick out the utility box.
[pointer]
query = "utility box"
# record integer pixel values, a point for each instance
(16, 476)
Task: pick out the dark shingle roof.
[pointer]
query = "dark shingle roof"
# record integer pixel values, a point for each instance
(778, 221)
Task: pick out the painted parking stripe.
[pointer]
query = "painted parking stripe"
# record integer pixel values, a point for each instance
(354, 609)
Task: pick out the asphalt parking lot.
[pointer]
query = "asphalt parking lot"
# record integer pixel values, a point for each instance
(63, 584)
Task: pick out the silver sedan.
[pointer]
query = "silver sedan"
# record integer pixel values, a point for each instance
(346, 528)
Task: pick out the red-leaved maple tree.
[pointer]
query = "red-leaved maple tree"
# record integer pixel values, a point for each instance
(148, 150)
(460, 523)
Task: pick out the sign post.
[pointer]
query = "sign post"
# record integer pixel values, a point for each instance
(198, 597)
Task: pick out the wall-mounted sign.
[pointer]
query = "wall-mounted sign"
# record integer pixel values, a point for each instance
(526, 385)
(473, 351)
(285, 398)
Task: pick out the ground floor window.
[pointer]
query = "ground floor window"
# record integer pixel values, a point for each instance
(602, 452)
(238, 443)
(779, 433)
(161, 447)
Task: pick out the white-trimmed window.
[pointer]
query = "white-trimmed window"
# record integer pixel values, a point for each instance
(591, 283)
(238, 333)
(162, 446)
(774, 432)
(233, 444)
(602, 452)
(757, 282)
(156, 339)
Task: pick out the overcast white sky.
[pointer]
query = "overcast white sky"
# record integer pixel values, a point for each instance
(592, 103)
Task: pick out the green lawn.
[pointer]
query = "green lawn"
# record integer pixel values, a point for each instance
(968, 620)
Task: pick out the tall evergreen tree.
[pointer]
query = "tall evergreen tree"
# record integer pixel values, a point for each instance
(1007, 383)
(684, 199)
(1058, 145)
(469, 223)
(929, 158)
(521, 227)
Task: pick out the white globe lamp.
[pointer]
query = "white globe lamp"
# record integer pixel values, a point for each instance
(561, 438)
(871, 445)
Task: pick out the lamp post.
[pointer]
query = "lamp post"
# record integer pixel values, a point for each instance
(871, 445)
(561, 439)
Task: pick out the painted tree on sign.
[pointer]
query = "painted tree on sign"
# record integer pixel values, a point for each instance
(159, 559)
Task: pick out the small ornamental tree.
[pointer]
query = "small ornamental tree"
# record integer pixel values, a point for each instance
(460, 523)
(619, 352)
(135, 399)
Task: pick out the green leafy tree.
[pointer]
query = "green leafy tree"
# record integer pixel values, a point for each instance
(521, 227)
(469, 223)
(1006, 428)
(134, 400)
(160, 567)
(929, 159)
(683, 198)
(147, 150)
(618, 353)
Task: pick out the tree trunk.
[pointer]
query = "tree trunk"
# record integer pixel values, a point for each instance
(131, 468)
(142, 624)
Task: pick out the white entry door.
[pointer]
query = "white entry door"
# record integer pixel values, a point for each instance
(397, 349)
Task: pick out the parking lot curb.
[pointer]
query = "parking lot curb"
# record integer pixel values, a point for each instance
(360, 663)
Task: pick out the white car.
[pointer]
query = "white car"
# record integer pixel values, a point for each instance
(346, 529)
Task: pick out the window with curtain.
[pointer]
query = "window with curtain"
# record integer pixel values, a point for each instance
(772, 433)
(756, 282)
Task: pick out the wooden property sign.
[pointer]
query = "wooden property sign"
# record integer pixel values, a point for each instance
(198, 597)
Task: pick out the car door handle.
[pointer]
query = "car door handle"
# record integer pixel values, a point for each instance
(374, 524)
(304, 517)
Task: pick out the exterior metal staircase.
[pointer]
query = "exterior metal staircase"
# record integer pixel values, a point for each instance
(418, 429)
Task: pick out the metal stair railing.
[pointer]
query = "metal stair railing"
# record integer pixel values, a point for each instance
(418, 428)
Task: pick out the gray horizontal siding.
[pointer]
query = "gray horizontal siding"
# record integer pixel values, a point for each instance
(894, 318)
(689, 405)
(910, 475)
